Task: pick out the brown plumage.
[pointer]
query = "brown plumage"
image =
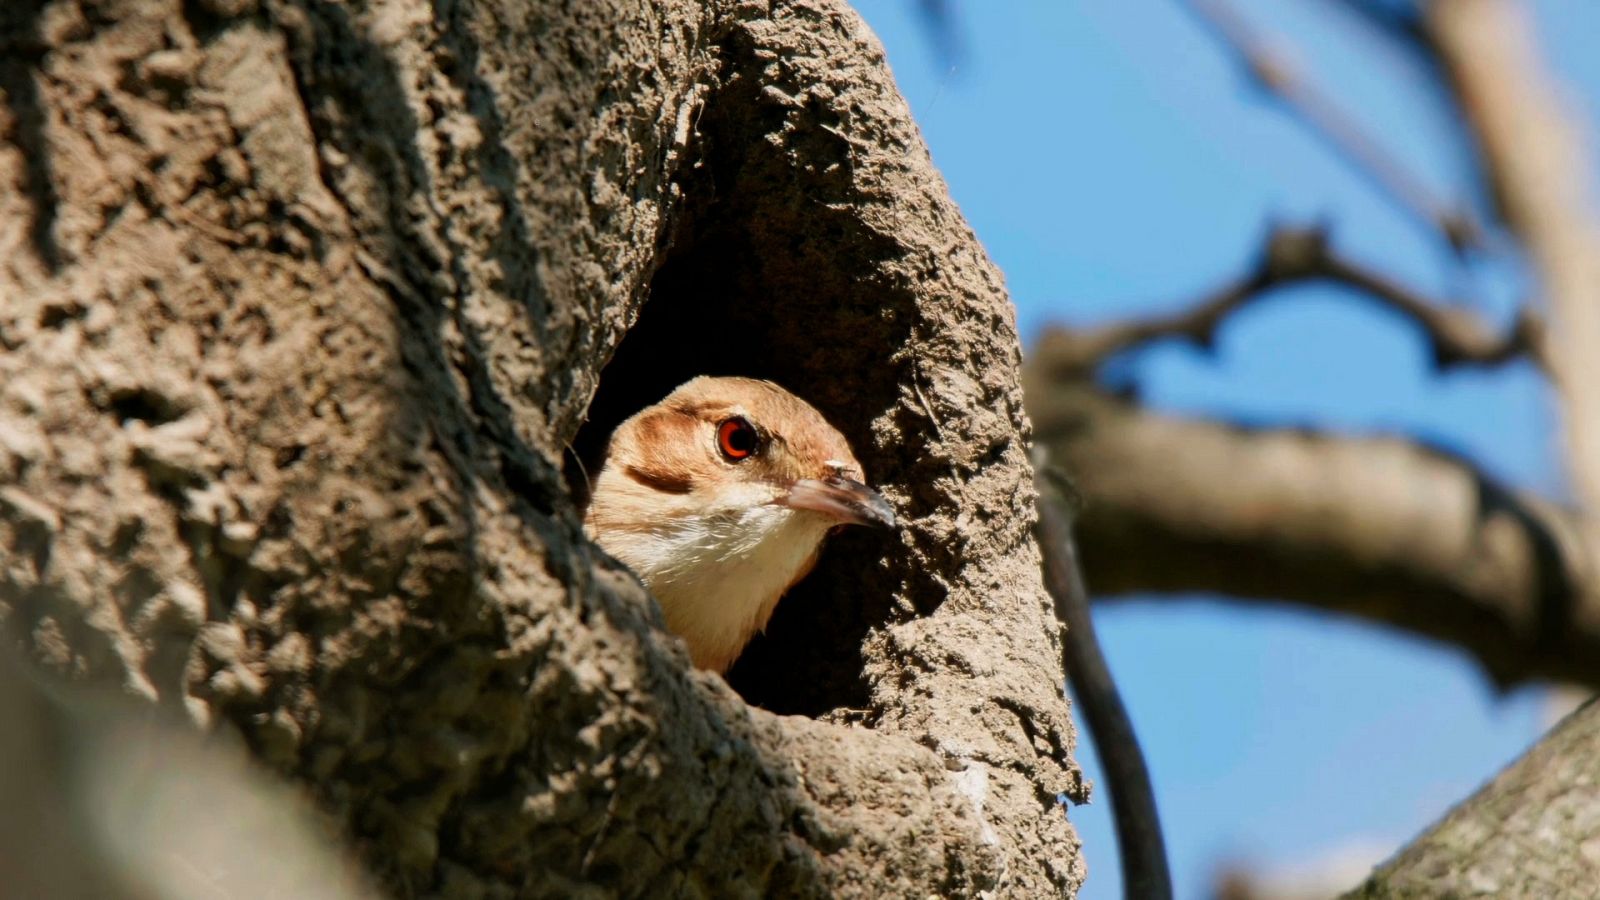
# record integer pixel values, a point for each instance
(719, 497)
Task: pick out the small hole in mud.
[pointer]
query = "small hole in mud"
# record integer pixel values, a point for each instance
(33, 541)
(124, 538)
(288, 456)
(144, 405)
(57, 316)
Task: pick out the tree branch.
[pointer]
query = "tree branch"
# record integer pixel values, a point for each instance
(1278, 76)
(1520, 835)
(1401, 23)
(1289, 256)
(1540, 172)
(1139, 841)
(1374, 527)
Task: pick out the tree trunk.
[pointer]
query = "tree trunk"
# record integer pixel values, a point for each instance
(304, 303)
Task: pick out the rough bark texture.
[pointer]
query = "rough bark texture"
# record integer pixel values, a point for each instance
(1534, 831)
(303, 303)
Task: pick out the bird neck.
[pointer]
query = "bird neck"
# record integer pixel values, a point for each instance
(719, 576)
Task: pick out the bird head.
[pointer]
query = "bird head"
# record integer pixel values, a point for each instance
(719, 498)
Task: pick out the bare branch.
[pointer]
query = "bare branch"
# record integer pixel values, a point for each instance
(1139, 841)
(1540, 170)
(1379, 528)
(1275, 72)
(1456, 335)
(1402, 23)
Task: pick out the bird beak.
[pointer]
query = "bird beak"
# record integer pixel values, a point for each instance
(842, 499)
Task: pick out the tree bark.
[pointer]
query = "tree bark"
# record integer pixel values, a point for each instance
(305, 301)
(1531, 832)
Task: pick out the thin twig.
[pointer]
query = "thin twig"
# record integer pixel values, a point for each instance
(916, 385)
(1139, 840)
(1280, 78)
(1456, 335)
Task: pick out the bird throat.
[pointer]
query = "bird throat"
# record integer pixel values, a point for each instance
(718, 577)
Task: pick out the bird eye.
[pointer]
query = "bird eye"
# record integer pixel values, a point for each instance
(737, 438)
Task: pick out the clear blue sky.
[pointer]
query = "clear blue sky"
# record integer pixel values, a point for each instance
(1113, 161)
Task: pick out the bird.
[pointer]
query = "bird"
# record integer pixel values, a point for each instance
(719, 498)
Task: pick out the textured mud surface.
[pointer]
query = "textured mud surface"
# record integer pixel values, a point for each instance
(302, 305)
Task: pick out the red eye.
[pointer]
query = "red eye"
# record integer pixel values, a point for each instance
(737, 438)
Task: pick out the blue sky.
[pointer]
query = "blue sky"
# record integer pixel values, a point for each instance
(1114, 161)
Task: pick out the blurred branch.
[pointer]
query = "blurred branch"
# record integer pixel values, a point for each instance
(1291, 256)
(1400, 21)
(104, 796)
(1540, 172)
(1524, 834)
(943, 32)
(1275, 72)
(1145, 872)
(1380, 528)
